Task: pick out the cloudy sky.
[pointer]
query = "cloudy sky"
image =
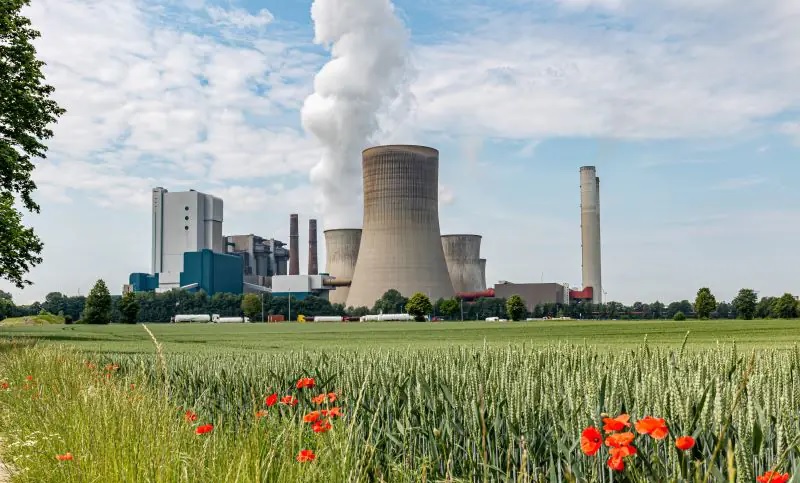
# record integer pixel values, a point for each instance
(690, 110)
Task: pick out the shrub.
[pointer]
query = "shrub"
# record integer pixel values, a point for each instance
(679, 316)
(68, 319)
(515, 308)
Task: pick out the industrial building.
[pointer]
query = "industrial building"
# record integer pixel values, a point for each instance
(400, 246)
(211, 272)
(590, 232)
(534, 294)
(187, 221)
(340, 261)
(262, 258)
(462, 254)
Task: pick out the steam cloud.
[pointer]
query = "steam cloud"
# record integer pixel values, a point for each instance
(366, 80)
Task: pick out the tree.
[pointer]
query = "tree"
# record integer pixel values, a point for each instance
(129, 308)
(26, 110)
(766, 307)
(449, 307)
(251, 305)
(679, 316)
(419, 305)
(786, 306)
(392, 302)
(705, 303)
(98, 305)
(515, 307)
(746, 303)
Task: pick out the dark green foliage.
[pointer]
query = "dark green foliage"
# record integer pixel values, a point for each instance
(68, 319)
(786, 307)
(515, 307)
(98, 305)
(746, 303)
(448, 307)
(128, 307)
(251, 305)
(419, 305)
(26, 111)
(392, 302)
(705, 303)
(679, 317)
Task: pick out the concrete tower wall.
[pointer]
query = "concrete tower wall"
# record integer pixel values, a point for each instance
(462, 254)
(400, 244)
(341, 255)
(590, 232)
(313, 265)
(482, 263)
(294, 245)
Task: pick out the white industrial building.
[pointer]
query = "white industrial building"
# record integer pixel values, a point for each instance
(187, 221)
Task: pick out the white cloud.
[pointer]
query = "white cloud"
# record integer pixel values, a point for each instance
(446, 195)
(240, 18)
(792, 129)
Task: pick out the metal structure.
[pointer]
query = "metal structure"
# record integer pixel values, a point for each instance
(400, 244)
(262, 257)
(482, 263)
(590, 232)
(341, 248)
(294, 245)
(462, 254)
(313, 266)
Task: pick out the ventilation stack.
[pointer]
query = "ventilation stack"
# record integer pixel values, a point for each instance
(482, 263)
(590, 232)
(294, 245)
(401, 246)
(462, 254)
(313, 266)
(341, 247)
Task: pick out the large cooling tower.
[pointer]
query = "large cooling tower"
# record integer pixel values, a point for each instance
(340, 262)
(482, 262)
(400, 244)
(590, 232)
(294, 245)
(462, 254)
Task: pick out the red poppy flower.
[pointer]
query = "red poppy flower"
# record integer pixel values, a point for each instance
(684, 443)
(28, 378)
(190, 416)
(64, 457)
(616, 424)
(311, 417)
(271, 400)
(4, 385)
(289, 400)
(305, 382)
(206, 428)
(773, 477)
(332, 397)
(591, 441)
(261, 413)
(619, 440)
(334, 412)
(655, 427)
(622, 451)
(306, 455)
(616, 463)
(321, 426)
(133, 386)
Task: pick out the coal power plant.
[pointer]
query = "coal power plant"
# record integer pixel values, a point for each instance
(342, 247)
(401, 244)
(463, 254)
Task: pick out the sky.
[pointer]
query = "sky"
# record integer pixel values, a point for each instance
(690, 111)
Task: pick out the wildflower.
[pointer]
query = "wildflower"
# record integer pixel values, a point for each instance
(616, 463)
(190, 416)
(28, 378)
(773, 477)
(321, 426)
(616, 457)
(289, 400)
(306, 455)
(4, 385)
(64, 457)
(334, 412)
(261, 413)
(311, 417)
(619, 440)
(684, 443)
(305, 382)
(591, 441)
(133, 386)
(655, 427)
(319, 399)
(616, 424)
(206, 428)
(271, 400)
(332, 397)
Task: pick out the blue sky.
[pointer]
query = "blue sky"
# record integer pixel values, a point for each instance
(690, 111)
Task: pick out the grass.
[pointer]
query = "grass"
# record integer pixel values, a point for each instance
(281, 337)
(48, 319)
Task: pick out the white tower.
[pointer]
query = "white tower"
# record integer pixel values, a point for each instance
(590, 232)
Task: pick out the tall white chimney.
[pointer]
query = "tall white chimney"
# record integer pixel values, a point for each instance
(590, 232)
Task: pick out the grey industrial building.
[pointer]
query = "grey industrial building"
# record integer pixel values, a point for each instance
(262, 258)
(534, 294)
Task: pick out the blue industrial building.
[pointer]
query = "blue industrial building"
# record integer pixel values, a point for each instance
(143, 282)
(212, 272)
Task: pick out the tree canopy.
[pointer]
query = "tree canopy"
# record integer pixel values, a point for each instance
(705, 303)
(515, 307)
(419, 305)
(98, 305)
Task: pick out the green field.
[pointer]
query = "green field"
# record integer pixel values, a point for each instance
(610, 335)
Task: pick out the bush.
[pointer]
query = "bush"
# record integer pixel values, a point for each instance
(679, 316)
(515, 307)
(68, 319)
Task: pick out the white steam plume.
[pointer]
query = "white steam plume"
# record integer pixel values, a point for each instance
(365, 81)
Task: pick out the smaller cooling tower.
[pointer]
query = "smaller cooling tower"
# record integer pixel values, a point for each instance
(294, 245)
(482, 262)
(313, 267)
(401, 246)
(462, 253)
(340, 262)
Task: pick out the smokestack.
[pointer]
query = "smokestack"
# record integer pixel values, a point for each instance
(313, 268)
(369, 73)
(294, 246)
(590, 232)
(462, 254)
(482, 262)
(401, 246)
(341, 254)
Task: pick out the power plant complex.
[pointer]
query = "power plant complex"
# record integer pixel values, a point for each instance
(399, 245)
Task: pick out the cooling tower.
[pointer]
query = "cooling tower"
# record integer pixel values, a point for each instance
(590, 232)
(482, 262)
(400, 244)
(294, 245)
(313, 267)
(462, 254)
(340, 262)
